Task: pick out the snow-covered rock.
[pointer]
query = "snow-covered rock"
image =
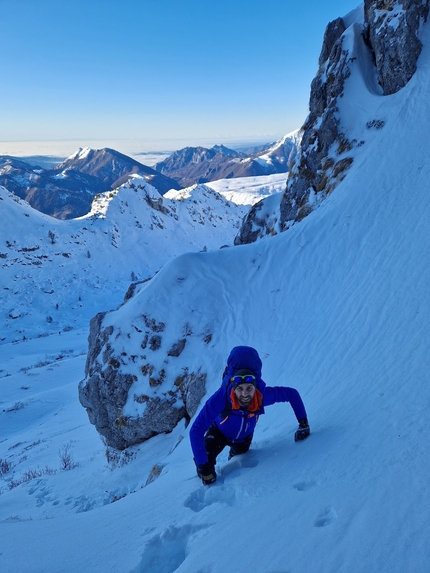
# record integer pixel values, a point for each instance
(372, 52)
(392, 31)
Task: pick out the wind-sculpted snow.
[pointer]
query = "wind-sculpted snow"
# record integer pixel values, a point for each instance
(166, 552)
(146, 367)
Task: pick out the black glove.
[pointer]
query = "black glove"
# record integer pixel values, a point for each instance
(303, 431)
(206, 473)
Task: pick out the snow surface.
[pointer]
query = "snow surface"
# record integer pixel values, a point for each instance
(249, 190)
(57, 274)
(81, 153)
(338, 308)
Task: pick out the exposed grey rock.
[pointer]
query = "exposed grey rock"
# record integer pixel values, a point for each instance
(96, 340)
(256, 225)
(332, 34)
(314, 173)
(177, 348)
(106, 388)
(193, 388)
(155, 342)
(153, 324)
(391, 31)
(132, 289)
(251, 227)
(155, 203)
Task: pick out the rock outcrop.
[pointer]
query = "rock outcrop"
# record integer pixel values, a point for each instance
(389, 31)
(392, 33)
(317, 171)
(129, 405)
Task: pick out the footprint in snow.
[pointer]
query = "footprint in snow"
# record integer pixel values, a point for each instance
(304, 485)
(42, 492)
(237, 463)
(164, 553)
(206, 496)
(326, 517)
(222, 492)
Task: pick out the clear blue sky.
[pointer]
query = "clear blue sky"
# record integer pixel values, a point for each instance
(159, 70)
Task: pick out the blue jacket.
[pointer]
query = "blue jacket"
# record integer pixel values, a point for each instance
(238, 424)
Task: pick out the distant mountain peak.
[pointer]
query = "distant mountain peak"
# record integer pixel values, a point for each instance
(66, 190)
(81, 153)
(225, 150)
(200, 165)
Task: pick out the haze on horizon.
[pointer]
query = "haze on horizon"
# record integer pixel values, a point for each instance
(156, 75)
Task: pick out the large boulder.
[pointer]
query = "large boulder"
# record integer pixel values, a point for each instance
(135, 384)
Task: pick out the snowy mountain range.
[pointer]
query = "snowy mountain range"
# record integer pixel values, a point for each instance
(336, 304)
(56, 272)
(66, 190)
(200, 165)
(59, 273)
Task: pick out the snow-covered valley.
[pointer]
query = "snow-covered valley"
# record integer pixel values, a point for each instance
(58, 274)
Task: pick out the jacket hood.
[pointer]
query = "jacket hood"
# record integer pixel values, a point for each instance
(242, 357)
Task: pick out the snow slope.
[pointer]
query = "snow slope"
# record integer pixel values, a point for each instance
(249, 190)
(57, 274)
(338, 308)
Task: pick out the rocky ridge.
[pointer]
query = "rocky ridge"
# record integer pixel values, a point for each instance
(200, 165)
(387, 35)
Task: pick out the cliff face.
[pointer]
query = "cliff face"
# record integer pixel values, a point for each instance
(390, 32)
(387, 34)
(322, 162)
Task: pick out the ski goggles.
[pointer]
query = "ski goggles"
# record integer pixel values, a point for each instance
(243, 379)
